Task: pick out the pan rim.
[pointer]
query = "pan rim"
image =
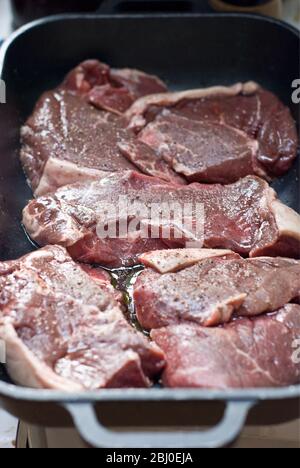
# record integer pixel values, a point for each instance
(90, 17)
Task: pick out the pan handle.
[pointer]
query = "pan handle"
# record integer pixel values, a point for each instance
(96, 435)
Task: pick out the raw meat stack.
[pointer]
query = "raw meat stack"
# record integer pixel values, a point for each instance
(222, 313)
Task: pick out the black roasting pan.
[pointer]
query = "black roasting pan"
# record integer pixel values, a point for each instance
(188, 51)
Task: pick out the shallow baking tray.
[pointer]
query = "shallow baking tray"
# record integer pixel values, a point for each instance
(188, 51)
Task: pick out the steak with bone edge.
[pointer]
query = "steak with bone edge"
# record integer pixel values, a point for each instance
(211, 287)
(245, 217)
(246, 353)
(64, 329)
(218, 134)
(67, 140)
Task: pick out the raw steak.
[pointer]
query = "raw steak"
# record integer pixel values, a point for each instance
(64, 329)
(68, 140)
(218, 134)
(209, 288)
(245, 217)
(202, 151)
(247, 353)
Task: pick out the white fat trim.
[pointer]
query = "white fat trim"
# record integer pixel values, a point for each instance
(26, 369)
(171, 261)
(58, 173)
(287, 220)
(141, 105)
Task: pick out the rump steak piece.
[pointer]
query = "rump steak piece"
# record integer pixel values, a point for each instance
(67, 140)
(218, 134)
(92, 219)
(247, 353)
(64, 329)
(209, 288)
(202, 151)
